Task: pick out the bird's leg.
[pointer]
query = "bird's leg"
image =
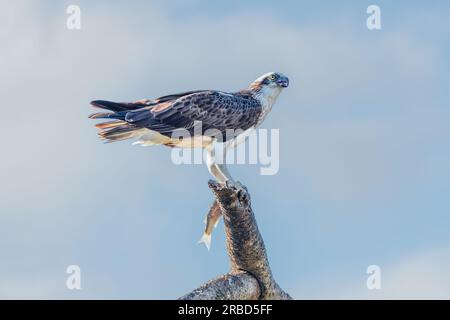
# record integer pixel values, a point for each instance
(217, 170)
(227, 180)
(222, 168)
(217, 173)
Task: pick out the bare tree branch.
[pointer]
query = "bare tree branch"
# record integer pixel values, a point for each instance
(238, 286)
(250, 276)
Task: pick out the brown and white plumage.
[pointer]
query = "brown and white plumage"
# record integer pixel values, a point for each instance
(165, 115)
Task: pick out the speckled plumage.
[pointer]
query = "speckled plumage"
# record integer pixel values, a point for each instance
(214, 109)
(217, 111)
(212, 120)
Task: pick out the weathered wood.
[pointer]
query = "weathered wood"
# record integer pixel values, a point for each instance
(246, 250)
(238, 286)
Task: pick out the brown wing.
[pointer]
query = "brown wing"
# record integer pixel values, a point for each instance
(214, 109)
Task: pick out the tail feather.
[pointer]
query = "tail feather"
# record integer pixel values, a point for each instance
(100, 115)
(119, 109)
(118, 106)
(119, 128)
(110, 124)
(109, 115)
(121, 132)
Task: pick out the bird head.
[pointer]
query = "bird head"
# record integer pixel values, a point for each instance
(272, 80)
(269, 86)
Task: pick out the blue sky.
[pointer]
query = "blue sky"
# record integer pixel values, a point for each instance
(364, 158)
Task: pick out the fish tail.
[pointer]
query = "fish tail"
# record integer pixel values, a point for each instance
(206, 239)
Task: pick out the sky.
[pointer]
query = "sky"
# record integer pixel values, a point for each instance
(364, 128)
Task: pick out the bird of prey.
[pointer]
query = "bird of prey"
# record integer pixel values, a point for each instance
(211, 118)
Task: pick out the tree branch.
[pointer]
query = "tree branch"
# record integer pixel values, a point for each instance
(250, 276)
(238, 286)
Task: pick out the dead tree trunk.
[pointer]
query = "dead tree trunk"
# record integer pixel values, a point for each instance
(250, 277)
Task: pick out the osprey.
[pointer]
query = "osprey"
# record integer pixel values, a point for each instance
(226, 119)
(159, 121)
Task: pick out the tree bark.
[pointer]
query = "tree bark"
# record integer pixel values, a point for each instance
(250, 277)
(238, 286)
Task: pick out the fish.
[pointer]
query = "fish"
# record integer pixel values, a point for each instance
(211, 221)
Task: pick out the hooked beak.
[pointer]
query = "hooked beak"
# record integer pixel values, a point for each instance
(283, 82)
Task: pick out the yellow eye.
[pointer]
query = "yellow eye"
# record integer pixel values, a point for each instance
(272, 77)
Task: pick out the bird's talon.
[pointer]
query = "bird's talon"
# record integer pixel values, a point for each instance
(230, 184)
(242, 195)
(242, 192)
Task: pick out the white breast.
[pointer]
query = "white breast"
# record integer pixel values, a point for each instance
(267, 97)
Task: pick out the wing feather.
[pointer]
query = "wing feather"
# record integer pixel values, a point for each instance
(214, 109)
